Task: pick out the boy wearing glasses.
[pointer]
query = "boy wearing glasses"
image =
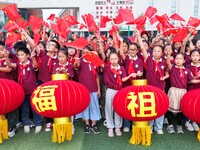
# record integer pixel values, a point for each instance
(48, 60)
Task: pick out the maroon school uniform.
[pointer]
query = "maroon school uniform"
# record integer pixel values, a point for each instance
(187, 59)
(194, 70)
(3, 64)
(46, 66)
(175, 52)
(68, 68)
(154, 71)
(87, 75)
(171, 59)
(26, 77)
(140, 55)
(180, 77)
(113, 77)
(133, 65)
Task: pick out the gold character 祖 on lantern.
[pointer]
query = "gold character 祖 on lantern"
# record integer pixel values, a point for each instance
(144, 98)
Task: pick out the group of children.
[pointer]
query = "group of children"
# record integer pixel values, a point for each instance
(172, 67)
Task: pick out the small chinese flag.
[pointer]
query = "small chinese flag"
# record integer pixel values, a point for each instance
(22, 24)
(11, 12)
(71, 20)
(153, 20)
(175, 16)
(12, 37)
(35, 23)
(89, 21)
(126, 14)
(140, 22)
(118, 19)
(103, 21)
(82, 26)
(36, 38)
(10, 26)
(80, 43)
(94, 59)
(51, 17)
(150, 12)
(181, 34)
(193, 22)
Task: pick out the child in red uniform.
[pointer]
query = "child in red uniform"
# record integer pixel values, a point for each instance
(48, 60)
(156, 73)
(179, 78)
(194, 67)
(5, 73)
(113, 76)
(27, 79)
(133, 65)
(88, 77)
(63, 66)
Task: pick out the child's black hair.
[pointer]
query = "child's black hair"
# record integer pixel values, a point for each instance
(57, 44)
(19, 45)
(127, 41)
(64, 50)
(133, 43)
(180, 53)
(162, 48)
(42, 43)
(24, 49)
(111, 53)
(195, 50)
(2, 43)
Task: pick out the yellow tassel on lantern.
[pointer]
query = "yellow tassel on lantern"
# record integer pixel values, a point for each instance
(62, 129)
(198, 135)
(3, 128)
(141, 130)
(141, 133)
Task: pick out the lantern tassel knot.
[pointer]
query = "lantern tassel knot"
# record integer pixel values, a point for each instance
(62, 130)
(141, 133)
(198, 135)
(3, 128)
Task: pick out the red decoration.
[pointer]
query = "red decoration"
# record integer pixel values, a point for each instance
(11, 12)
(94, 59)
(150, 12)
(190, 105)
(11, 96)
(140, 103)
(60, 98)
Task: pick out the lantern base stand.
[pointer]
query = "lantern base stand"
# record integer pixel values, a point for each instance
(62, 129)
(198, 135)
(141, 133)
(3, 128)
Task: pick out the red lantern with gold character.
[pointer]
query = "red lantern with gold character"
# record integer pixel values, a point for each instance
(190, 106)
(140, 103)
(11, 97)
(60, 99)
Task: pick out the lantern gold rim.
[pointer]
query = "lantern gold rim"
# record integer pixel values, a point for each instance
(140, 82)
(141, 123)
(60, 77)
(62, 120)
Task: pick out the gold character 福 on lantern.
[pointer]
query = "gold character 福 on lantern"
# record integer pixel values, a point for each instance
(44, 98)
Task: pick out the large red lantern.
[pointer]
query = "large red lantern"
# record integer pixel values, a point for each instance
(60, 99)
(190, 106)
(11, 97)
(140, 103)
